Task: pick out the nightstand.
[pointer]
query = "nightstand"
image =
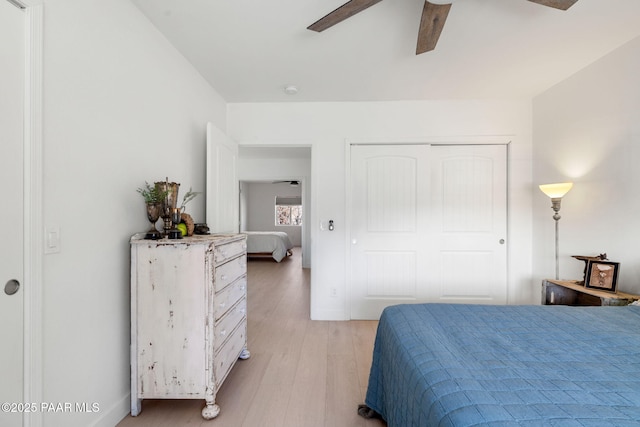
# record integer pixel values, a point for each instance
(569, 292)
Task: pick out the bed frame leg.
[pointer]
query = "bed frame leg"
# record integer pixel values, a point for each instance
(366, 412)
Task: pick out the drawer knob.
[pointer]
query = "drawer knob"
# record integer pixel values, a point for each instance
(223, 304)
(223, 332)
(223, 277)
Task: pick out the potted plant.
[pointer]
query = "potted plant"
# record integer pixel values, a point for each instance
(152, 194)
(153, 198)
(186, 219)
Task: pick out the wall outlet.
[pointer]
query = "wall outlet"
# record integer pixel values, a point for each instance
(334, 292)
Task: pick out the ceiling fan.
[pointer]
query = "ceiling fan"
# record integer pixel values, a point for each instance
(432, 22)
(291, 183)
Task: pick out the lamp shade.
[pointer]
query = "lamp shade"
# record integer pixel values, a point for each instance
(556, 191)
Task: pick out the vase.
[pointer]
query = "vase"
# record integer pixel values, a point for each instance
(154, 210)
(171, 190)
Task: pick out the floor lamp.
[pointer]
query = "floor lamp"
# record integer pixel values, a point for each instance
(556, 192)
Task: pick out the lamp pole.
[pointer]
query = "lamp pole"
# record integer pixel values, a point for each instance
(555, 193)
(555, 205)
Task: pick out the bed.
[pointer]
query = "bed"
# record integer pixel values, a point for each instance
(275, 244)
(471, 365)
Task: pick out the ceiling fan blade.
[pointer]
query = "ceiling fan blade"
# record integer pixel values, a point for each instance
(345, 11)
(431, 24)
(557, 4)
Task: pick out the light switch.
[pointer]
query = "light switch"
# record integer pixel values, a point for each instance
(52, 240)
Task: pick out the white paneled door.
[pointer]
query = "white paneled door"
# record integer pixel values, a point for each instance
(469, 198)
(390, 209)
(12, 27)
(222, 210)
(429, 224)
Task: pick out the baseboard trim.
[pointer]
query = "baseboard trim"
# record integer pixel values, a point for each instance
(113, 415)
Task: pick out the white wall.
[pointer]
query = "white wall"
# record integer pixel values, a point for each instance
(259, 207)
(328, 127)
(587, 130)
(121, 106)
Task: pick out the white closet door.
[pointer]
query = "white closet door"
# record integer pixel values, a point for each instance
(428, 225)
(469, 200)
(390, 197)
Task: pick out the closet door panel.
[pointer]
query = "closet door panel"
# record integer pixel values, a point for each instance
(428, 224)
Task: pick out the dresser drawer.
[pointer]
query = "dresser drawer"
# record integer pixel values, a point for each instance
(229, 250)
(227, 273)
(228, 297)
(229, 353)
(223, 329)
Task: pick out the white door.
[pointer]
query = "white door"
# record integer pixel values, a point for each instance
(12, 27)
(428, 225)
(390, 210)
(469, 199)
(222, 209)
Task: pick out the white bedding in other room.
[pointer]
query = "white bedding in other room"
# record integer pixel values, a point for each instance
(277, 243)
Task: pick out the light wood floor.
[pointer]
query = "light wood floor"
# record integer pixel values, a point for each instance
(301, 373)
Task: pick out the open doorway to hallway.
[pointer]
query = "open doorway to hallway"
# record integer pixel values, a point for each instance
(275, 194)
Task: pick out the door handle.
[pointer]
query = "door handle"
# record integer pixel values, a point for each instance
(11, 287)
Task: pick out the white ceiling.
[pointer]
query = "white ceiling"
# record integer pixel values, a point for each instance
(249, 50)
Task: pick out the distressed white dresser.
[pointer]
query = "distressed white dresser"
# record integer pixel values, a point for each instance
(188, 317)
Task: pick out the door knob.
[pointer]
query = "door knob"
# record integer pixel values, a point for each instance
(11, 287)
(502, 241)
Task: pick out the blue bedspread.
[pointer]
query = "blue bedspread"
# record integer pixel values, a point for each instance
(467, 365)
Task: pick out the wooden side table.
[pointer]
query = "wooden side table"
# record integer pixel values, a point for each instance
(569, 292)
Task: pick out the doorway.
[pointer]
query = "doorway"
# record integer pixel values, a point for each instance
(265, 168)
(274, 206)
(429, 224)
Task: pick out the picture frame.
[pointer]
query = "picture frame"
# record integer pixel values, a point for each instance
(602, 275)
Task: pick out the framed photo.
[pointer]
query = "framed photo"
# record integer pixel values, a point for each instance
(602, 275)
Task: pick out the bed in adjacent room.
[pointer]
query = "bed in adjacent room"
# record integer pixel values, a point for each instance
(275, 244)
(463, 365)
